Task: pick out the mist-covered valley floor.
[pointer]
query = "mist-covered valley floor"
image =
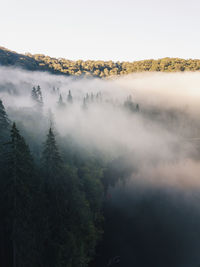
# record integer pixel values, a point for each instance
(139, 137)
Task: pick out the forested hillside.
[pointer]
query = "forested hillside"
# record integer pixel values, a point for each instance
(51, 194)
(51, 204)
(93, 68)
(99, 172)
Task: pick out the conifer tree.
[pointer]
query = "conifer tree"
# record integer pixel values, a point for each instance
(52, 189)
(92, 97)
(17, 194)
(4, 121)
(84, 106)
(87, 97)
(39, 93)
(4, 137)
(69, 233)
(51, 160)
(61, 104)
(129, 104)
(36, 95)
(51, 120)
(69, 97)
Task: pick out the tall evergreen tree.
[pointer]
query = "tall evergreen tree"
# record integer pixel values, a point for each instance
(69, 235)
(4, 121)
(84, 106)
(137, 107)
(52, 189)
(4, 137)
(69, 97)
(39, 93)
(61, 104)
(4, 133)
(17, 199)
(51, 159)
(36, 95)
(92, 97)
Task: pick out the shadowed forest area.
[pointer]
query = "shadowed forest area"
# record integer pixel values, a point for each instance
(98, 172)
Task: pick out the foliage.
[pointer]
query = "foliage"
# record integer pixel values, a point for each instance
(51, 212)
(98, 68)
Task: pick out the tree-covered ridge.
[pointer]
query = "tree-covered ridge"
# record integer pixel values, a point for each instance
(95, 68)
(109, 68)
(11, 58)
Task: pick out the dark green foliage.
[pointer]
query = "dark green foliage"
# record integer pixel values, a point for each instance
(51, 213)
(4, 138)
(69, 220)
(4, 135)
(17, 186)
(4, 121)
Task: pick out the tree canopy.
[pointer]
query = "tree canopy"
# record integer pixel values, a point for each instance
(94, 68)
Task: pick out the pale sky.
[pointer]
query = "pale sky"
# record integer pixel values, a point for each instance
(124, 30)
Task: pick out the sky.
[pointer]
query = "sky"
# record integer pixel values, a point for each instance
(119, 30)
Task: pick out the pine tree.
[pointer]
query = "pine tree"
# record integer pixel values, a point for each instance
(51, 159)
(69, 97)
(4, 134)
(4, 137)
(87, 97)
(137, 108)
(39, 93)
(36, 95)
(17, 199)
(61, 104)
(69, 233)
(84, 106)
(92, 97)
(4, 121)
(129, 104)
(51, 120)
(52, 170)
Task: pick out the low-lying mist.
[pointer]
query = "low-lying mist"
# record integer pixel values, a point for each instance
(147, 125)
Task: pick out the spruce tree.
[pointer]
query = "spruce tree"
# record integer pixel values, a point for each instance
(84, 106)
(17, 199)
(4, 137)
(61, 104)
(51, 159)
(36, 95)
(92, 97)
(39, 93)
(52, 189)
(69, 97)
(69, 233)
(4, 132)
(4, 121)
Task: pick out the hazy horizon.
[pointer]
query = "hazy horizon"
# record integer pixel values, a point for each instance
(98, 59)
(114, 30)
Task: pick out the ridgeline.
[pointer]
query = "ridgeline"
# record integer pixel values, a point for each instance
(98, 68)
